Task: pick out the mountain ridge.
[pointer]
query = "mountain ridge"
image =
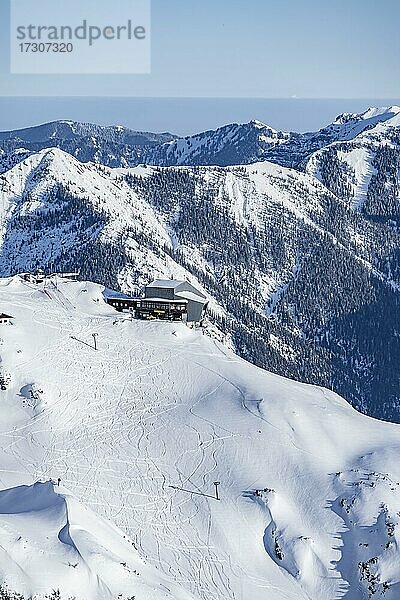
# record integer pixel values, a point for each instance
(235, 143)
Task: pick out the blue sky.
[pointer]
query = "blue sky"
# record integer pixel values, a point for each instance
(252, 48)
(340, 49)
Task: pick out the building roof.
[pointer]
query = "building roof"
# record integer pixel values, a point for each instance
(108, 293)
(4, 316)
(192, 296)
(164, 300)
(122, 299)
(165, 283)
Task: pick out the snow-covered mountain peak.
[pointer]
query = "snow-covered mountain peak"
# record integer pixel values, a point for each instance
(376, 113)
(39, 172)
(382, 112)
(361, 163)
(350, 125)
(260, 125)
(345, 118)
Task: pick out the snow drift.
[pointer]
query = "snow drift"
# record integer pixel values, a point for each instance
(49, 541)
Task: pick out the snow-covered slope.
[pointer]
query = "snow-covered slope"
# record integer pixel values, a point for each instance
(49, 541)
(363, 166)
(79, 204)
(73, 203)
(349, 125)
(141, 428)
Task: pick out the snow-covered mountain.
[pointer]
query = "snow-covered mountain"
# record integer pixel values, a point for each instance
(298, 282)
(301, 265)
(138, 432)
(364, 170)
(113, 145)
(233, 144)
(255, 141)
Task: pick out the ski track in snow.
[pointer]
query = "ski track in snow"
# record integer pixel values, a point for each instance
(149, 410)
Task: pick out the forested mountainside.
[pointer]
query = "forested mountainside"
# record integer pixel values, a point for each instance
(364, 172)
(255, 141)
(302, 280)
(114, 145)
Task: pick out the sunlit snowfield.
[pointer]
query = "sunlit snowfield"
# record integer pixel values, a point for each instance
(159, 405)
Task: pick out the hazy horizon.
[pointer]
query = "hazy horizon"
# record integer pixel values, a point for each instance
(181, 116)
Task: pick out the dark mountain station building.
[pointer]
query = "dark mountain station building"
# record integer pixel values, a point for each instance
(5, 319)
(166, 299)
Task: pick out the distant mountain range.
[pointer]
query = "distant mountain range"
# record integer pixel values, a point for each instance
(117, 146)
(294, 237)
(114, 146)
